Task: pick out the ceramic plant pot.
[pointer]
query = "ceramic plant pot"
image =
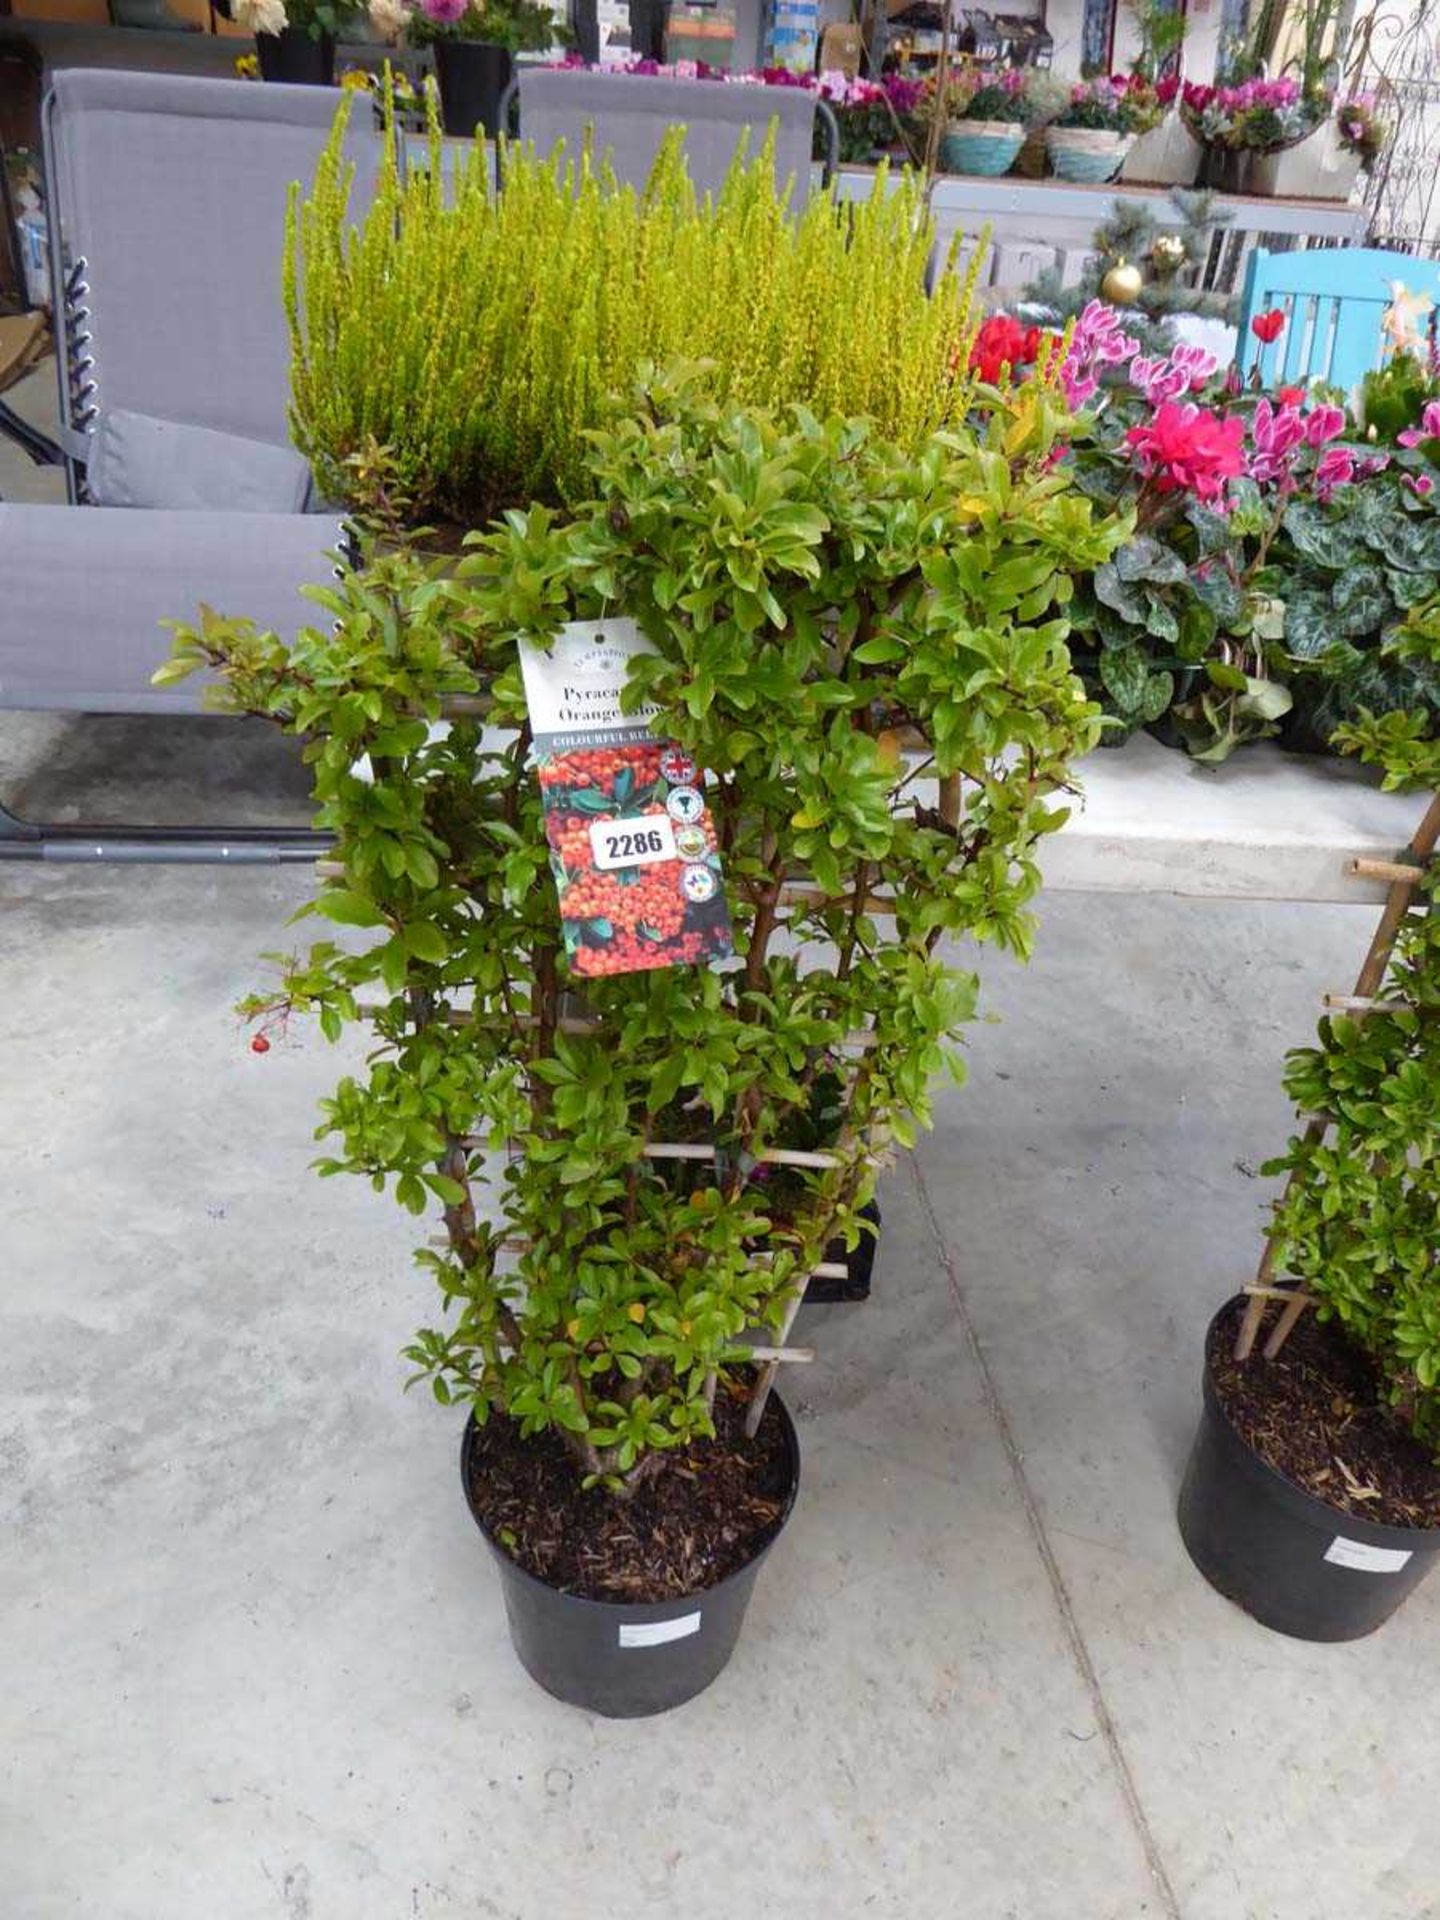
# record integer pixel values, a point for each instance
(1167, 156)
(987, 147)
(1319, 168)
(1087, 156)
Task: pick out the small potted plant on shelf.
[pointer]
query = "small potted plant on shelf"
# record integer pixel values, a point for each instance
(295, 39)
(474, 43)
(1312, 1497)
(1242, 123)
(1327, 165)
(985, 115)
(875, 118)
(1088, 141)
(801, 598)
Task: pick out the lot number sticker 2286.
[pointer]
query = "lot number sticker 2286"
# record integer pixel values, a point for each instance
(632, 843)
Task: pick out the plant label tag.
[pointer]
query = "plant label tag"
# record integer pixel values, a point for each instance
(638, 842)
(654, 1633)
(632, 844)
(1365, 1558)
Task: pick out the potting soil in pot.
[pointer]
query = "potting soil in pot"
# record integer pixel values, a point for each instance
(706, 1514)
(1315, 1413)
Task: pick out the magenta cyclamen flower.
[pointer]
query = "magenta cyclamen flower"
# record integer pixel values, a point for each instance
(1275, 433)
(1187, 369)
(1335, 468)
(1420, 483)
(1322, 424)
(1428, 429)
(443, 12)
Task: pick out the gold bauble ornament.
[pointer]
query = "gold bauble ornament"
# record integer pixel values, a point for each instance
(1121, 285)
(1168, 252)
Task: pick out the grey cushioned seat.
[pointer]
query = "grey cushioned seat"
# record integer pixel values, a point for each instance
(85, 593)
(167, 204)
(631, 112)
(173, 191)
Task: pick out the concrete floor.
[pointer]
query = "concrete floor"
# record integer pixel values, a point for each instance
(253, 1663)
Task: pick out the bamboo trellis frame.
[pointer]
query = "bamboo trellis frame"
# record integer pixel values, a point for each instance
(1403, 877)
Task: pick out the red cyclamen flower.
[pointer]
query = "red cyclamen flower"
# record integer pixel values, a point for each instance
(1187, 449)
(1268, 326)
(1003, 342)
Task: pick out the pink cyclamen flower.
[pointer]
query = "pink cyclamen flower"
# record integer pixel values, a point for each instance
(1322, 424)
(1420, 483)
(1275, 433)
(1335, 468)
(443, 12)
(1428, 429)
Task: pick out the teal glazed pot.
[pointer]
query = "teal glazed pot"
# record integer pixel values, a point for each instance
(988, 147)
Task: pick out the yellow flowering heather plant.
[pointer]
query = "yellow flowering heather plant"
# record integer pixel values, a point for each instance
(455, 347)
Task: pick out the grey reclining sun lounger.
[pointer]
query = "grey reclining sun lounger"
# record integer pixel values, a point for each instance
(167, 200)
(630, 113)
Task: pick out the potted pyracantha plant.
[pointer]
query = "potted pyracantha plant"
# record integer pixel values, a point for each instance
(609, 1081)
(1313, 1492)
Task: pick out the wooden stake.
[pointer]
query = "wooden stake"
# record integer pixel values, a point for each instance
(768, 1372)
(1285, 1325)
(1394, 871)
(783, 1356)
(1359, 1003)
(1382, 945)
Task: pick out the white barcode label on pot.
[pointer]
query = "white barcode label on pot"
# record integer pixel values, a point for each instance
(1360, 1555)
(654, 1633)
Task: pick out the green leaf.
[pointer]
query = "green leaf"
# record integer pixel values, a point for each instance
(1159, 692)
(1125, 673)
(1144, 558)
(1117, 594)
(349, 909)
(1319, 536)
(425, 940)
(1160, 620)
(1215, 589)
(1309, 625)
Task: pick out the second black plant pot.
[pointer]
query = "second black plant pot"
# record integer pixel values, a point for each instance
(858, 1262)
(472, 75)
(1290, 1560)
(627, 1659)
(295, 57)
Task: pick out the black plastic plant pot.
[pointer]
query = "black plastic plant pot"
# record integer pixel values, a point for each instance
(620, 1658)
(296, 57)
(858, 1262)
(1290, 1560)
(472, 75)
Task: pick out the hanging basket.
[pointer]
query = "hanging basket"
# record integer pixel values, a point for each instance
(988, 147)
(1086, 155)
